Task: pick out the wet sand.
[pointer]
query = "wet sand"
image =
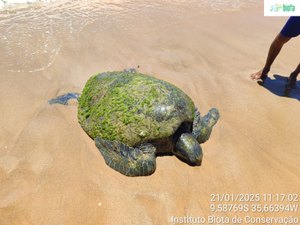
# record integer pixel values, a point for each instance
(52, 173)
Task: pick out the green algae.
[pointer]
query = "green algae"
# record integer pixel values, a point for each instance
(132, 107)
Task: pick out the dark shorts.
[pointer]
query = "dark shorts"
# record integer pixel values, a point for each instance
(292, 27)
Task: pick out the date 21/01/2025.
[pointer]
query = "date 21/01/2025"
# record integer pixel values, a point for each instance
(254, 197)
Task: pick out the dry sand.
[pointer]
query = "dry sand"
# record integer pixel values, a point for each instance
(51, 173)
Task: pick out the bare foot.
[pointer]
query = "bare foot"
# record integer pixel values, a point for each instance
(262, 74)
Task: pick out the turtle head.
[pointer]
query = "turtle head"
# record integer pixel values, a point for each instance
(188, 149)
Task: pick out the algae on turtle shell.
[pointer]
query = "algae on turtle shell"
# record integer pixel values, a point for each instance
(132, 108)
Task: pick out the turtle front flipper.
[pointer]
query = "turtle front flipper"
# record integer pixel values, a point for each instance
(130, 161)
(202, 126)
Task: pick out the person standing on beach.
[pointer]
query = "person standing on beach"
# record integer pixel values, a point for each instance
(290, 30)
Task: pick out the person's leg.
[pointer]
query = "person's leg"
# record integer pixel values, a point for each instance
(293, 77)
(274, 50)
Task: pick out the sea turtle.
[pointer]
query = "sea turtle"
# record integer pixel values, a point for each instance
(133, 117)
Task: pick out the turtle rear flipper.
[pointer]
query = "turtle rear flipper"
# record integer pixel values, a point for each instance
(63, 99)
(127, 160)
(202, 126)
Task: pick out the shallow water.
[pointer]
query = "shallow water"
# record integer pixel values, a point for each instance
(33, 33)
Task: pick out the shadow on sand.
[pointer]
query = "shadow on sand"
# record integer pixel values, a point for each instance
(278, 87)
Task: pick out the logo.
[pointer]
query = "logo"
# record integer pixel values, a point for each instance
(282, 8)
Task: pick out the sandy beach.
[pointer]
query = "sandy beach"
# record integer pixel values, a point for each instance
(51, 172)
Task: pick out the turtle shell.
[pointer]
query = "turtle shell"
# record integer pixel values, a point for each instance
(132, 108)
